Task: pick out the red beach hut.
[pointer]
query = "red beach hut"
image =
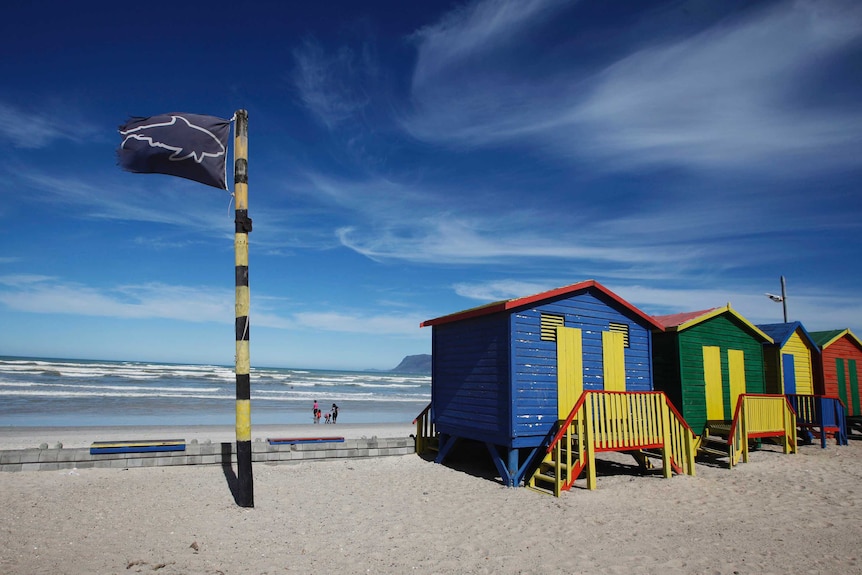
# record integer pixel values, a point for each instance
(838, 373)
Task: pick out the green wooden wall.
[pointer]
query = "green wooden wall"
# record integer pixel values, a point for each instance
(684, 383)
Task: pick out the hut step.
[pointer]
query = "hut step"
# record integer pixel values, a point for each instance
(538, 489)
(713, 452)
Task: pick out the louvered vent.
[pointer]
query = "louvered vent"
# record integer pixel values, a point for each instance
(550, 323)
(622, 328)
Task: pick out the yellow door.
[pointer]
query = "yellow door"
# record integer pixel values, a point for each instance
(614, 360)
(713, 392)
(736, 372)
(802, 365)
(570, 369)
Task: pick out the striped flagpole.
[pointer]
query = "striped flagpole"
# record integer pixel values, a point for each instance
(245, 481)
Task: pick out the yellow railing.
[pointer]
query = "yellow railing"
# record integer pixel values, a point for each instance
(757, 416)
(426, 432)
(618, 421)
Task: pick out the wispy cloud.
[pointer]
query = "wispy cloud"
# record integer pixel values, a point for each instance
(501, 289)
(30, 293)
(456, 239)
(131, 201)
(396, 324)
(30, 130)
(816, 310)
(723, 97)
(331, 86)
(36, 294)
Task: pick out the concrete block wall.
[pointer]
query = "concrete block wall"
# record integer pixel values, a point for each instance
(201, 454)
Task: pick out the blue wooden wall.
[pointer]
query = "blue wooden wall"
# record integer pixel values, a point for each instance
(534, 362)
(471, 391)
(496, 380)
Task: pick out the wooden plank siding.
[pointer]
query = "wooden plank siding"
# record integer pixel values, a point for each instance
(846, 387)
(802, 364)
(666, 367)
(471, 378)
(534, 364)
(791, 342)
(679, 365)
(495, 378)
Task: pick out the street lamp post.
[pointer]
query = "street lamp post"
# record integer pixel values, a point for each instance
(781, 298)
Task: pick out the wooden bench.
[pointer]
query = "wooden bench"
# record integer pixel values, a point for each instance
(292, 440)
(137, 446)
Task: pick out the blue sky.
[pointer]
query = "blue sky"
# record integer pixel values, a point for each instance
(412, 159)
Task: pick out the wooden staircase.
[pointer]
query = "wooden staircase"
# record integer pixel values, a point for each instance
(426, 438)
(565, 461)
(714, 442)
(756, 417)
(642, 424)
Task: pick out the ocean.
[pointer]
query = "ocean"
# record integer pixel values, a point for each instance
(77, 393)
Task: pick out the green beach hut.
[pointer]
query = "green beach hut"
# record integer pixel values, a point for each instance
(703, 361)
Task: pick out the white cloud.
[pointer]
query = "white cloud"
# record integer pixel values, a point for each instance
(485, 240)
(331, 85)
(135, 201)
(501, 289)
(147, 301)
(399, 324)
(20, 280)
(45, 295)
(37, 130)
(817, 311)
(725, 97)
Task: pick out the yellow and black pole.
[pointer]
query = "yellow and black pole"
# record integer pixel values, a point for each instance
(245, 481)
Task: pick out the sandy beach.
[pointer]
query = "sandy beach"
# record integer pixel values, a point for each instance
(777, 514)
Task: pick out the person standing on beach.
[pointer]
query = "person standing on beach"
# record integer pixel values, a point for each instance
(315, 411)
(334, 412)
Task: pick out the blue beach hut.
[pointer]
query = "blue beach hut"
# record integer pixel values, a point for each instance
(505, 373)
(790, 367)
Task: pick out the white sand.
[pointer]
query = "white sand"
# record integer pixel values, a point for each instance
(777, 514)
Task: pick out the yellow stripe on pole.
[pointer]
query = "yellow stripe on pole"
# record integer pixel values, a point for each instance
(243, 361)
(243, 300)
(243, 420)
(240, 243)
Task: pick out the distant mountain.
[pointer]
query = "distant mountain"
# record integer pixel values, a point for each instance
(414, 364)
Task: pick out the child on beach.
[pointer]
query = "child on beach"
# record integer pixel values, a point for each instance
(326, 417)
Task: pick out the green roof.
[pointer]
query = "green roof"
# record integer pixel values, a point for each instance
(821, 338)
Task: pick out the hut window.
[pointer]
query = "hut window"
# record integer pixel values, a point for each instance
(622, 328)
(550, 322)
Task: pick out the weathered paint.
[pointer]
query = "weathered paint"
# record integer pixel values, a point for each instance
(496, 380)
(242, 224)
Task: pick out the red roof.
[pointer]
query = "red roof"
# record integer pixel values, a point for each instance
(509, 304)
(675, 319)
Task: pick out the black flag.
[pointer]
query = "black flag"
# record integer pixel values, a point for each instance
(185, 145)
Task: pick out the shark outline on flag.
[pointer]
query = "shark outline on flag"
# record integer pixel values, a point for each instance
(176, 150)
